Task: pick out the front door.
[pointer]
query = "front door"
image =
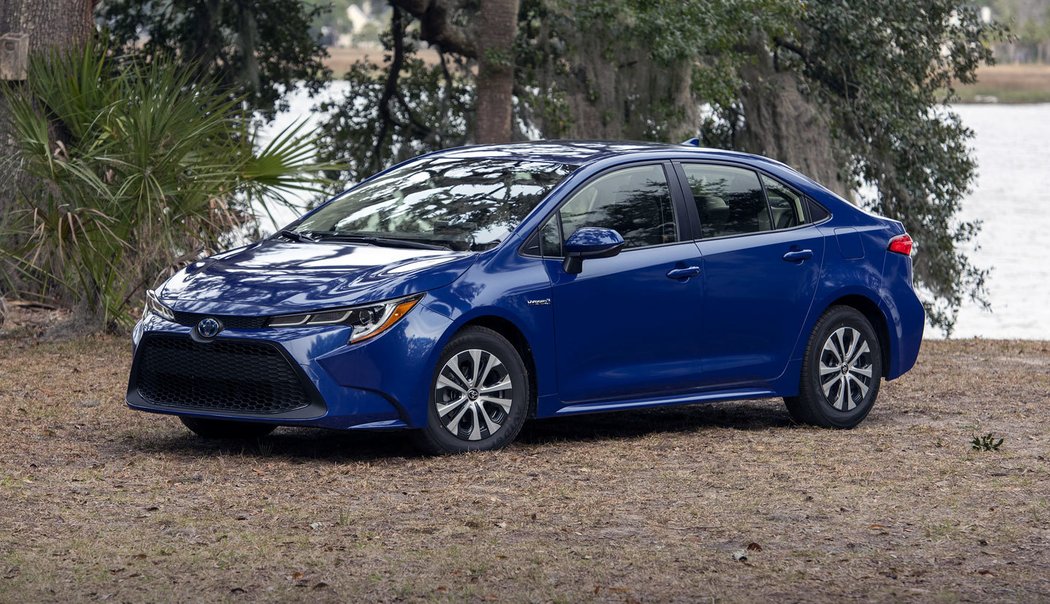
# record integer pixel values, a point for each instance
(627, 326)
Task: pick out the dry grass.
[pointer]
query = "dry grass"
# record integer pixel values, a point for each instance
(98, 502)
(1009, 83)
(340, 60)
(1006, 83)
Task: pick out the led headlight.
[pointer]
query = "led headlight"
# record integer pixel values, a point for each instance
(155, 306)
(367, 321)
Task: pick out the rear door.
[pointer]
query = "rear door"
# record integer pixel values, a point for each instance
(627, 326)
(762, 259)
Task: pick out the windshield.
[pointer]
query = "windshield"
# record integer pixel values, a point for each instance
(462, 204)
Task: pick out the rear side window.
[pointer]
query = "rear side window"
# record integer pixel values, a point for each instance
(785, 205)
(636, 202)
(729, 200)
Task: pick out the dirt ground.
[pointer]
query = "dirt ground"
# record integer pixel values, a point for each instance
(101, 503)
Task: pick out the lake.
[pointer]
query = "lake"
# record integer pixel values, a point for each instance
(1011, 197)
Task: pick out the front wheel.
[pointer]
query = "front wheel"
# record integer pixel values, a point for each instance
(479, 395)
(841, 371)
(226, 430)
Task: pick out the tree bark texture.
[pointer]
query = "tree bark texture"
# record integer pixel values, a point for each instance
(50, 24)
(438, 24)
(488, 37)
(779, 122)
(497, 27)
(593, 87)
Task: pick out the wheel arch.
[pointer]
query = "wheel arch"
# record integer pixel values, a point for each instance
(509, 330)
(874, 314)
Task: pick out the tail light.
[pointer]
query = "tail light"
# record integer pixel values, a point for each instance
(902, 244)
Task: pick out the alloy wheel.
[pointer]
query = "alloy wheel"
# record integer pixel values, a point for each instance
(473, 394)
(845, 369)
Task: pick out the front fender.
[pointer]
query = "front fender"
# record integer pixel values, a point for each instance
(522, 299)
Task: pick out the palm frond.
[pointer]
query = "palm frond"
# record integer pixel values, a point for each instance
(151, 169)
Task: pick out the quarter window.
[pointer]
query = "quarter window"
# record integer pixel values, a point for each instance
(550, 240)
(636, 202)
(784, 204)
(729, 200)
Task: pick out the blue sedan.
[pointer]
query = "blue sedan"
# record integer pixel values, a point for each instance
(462, 292)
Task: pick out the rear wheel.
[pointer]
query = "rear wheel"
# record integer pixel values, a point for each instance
(479, 395)
(841, 371)
(227, 430)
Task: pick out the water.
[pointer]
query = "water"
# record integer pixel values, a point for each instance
(1011, 197)
(300, 109)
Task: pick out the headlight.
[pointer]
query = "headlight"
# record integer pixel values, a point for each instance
(367, 321)
(155, 306)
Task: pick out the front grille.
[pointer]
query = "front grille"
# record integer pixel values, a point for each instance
(190, 319)
(224, 375)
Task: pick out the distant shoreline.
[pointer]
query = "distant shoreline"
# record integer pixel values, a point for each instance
(1009, 83)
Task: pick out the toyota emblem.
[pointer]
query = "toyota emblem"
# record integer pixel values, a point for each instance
(209, 328)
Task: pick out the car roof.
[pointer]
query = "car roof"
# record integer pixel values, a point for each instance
(580, 152)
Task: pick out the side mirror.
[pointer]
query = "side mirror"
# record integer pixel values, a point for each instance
(590, 242)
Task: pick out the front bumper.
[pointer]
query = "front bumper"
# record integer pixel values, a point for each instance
(381, 383)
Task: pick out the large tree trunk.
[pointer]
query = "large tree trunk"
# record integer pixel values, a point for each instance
(50, 24)
(497, 27)
(783, 124)
(617, 99)
(488, 36)
(593, 85)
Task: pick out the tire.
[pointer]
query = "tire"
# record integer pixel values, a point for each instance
(836, 390)
(226, 430)
(464, 413)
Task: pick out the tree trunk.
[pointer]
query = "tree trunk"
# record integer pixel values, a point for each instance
(593, 85)
(617, 98)
(497, 27)
(782, 124)
(50, 24)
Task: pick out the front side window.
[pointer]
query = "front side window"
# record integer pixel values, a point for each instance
(458, 203)
(729, 200)
(635, 202)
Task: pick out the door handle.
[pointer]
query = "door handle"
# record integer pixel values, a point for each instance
(798, 255)
(683, 273)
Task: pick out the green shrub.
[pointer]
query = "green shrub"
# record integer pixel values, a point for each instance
(985, 443)
(134, 169)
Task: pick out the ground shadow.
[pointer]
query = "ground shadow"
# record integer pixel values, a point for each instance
(743, 415)
(341, 447)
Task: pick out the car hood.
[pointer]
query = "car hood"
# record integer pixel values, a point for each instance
(277, 277)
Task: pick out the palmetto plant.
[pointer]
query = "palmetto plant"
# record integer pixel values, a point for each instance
(135, 168)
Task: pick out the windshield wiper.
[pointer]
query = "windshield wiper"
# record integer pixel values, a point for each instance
(381, 241)
(295, 235)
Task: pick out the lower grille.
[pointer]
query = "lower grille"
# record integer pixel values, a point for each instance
(224, 375)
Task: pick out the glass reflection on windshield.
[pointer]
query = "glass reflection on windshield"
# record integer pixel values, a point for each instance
(458, 203)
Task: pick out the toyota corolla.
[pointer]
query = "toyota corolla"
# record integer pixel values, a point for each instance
(461, 293)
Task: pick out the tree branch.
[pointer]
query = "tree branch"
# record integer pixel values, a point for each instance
(437, 27)
(390, 89)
